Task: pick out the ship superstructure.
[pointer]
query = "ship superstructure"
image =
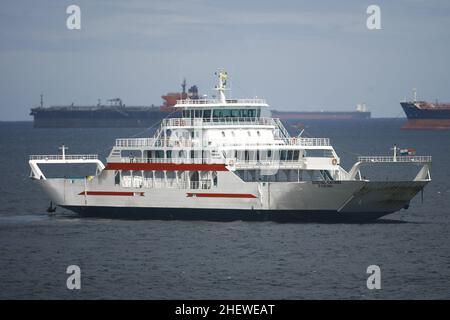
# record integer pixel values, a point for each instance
(223, 160)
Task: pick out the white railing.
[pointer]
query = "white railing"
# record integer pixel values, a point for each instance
(171, 160)
(182, 122)
(309, 142)
(190, 143)
(302, 142)
(135, 142)
(242, 164)
(217, 101)
(281, 127)
(390, 159)
(66, 157)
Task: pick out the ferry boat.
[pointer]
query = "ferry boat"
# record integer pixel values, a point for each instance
(224, 160)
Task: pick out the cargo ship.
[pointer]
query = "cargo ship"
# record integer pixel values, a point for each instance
(113, 114)
(426, 115)
(360, 113)
(223, 160)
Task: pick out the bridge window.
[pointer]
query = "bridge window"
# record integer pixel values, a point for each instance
(235, 113)
(206, 114)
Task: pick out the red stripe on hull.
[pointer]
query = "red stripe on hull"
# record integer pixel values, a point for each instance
(110, 193)
(221, 195)
(167, 166)
(436, 124)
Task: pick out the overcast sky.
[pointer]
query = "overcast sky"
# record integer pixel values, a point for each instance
(315, 55)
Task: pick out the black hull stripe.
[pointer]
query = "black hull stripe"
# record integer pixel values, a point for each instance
(225, 214)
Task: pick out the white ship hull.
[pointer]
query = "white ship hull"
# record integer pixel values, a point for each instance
(308, 200)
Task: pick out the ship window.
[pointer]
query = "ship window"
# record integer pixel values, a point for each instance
(159, 153)
(198, 113)
(214, 175)
(296, 153)
(223, 133)
(117, 177)
(235, 113)
(289, 155)
(206, 114)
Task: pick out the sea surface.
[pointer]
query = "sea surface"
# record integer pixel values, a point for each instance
(126, 259)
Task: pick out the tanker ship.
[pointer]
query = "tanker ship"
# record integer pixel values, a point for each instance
(360, 113)
(114, 114)
(426, 115)
(222, 159)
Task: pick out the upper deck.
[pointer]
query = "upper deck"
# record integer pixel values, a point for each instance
(228, 103)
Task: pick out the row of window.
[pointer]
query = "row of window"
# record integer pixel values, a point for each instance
(221, 113)
(240, 154)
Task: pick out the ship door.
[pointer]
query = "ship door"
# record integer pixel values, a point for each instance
(195, 179)
(264, 194)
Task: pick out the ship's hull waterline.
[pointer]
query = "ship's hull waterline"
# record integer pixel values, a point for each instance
(346, 201)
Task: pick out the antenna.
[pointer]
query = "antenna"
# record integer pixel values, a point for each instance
(415, 94)
(63, 149)
(223, 76)
(42, 100)
(183, 85)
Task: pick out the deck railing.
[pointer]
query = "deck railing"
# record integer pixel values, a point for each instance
(171, 160)
(391, 159)
(135, 142)
(183, 122)
(190, 143)
(217, 101)
(66, 157)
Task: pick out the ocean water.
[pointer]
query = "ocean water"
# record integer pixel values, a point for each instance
(123, 259)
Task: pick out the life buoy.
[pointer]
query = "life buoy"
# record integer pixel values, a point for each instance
(334, 161)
